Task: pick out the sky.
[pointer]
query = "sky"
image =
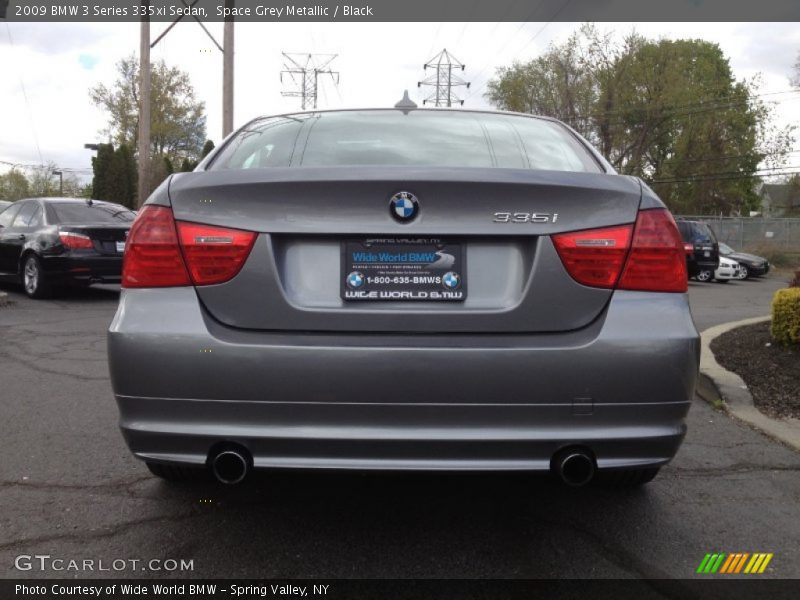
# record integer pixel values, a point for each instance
(48, 68)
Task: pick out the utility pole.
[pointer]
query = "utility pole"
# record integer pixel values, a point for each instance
(227, 71)
(144, 90)
(308, 68)
(143, 188)
(443, 80)
(60, 182)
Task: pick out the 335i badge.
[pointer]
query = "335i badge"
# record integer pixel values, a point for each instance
(403, 269)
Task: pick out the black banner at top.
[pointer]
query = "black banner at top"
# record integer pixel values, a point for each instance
(401, 10)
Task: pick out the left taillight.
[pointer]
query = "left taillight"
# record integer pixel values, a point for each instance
(161, 252)
(152, 254)
(75, 241)
(214, 254)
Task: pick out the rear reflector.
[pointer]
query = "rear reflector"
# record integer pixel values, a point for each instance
(657, 262)
(152, 254)
(594, 257)
(651, 252)
(214, 254)
(75, 241)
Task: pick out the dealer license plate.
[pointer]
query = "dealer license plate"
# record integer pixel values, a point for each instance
(120, 247)
(390, 269)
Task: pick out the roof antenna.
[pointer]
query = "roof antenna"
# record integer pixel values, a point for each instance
(406, 103)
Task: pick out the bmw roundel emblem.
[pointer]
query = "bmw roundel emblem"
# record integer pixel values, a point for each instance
(355, 280)
(404, 206)
(451, 280)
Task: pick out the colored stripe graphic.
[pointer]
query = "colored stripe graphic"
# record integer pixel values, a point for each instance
(703, 563)
(741, 562)
(728, 564)
(720, 562)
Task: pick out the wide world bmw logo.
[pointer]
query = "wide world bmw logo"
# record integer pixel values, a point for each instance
(404, 206)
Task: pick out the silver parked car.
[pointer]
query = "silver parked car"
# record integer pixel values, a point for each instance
(404, 289)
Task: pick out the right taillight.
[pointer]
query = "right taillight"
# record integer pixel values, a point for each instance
(648, 256)
(657, 259)
(152, 254)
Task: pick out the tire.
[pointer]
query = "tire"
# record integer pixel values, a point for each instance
(628, 478)
(177, 473)
(704, 275)
(34, 279)
(744, 272)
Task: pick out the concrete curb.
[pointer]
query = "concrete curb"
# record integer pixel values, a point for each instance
(738, 402)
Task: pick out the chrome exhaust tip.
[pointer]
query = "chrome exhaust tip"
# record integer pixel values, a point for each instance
(575, 467)
(230, 466)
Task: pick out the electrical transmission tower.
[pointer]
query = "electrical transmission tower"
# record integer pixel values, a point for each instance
(443, 80)
(305, 69)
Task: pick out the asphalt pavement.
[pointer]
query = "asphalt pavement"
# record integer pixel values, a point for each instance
(70, 489)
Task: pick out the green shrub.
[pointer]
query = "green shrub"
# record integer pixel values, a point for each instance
(786, 316)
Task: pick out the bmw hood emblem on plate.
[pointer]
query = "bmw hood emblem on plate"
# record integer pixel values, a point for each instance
(404, 206)
(355, 280)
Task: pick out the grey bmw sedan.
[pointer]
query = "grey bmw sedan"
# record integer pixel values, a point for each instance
(408, 289)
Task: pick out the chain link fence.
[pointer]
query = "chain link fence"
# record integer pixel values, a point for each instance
(755, 234)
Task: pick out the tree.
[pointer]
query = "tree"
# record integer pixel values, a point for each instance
(178, 122)
(669, 111)
(101, 168)
(114, 175)
(14, 185)
(207, 148)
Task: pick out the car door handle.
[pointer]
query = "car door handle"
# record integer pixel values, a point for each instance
(22, 236)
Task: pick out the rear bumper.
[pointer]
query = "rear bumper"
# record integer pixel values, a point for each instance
(92, 268)
(621, 386)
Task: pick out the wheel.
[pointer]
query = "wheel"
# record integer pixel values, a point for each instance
(177, 473)
(744, 272)
(704, 275)
(34, 278)
(628, 478)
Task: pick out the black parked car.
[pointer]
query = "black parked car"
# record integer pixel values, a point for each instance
(48, 242)
(751, 265)
(702, 249)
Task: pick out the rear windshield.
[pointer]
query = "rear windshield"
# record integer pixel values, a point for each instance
(78, 213)
(415, 138)
(696, 232)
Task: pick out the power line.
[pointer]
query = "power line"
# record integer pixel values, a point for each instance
(25, 96)
(702, 106)
(529, 42)
(723, 177)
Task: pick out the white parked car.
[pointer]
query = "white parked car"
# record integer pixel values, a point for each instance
(728, 269)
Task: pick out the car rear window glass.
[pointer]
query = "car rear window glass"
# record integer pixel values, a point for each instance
(696, 232)
(25, 215)
(413, 138)
(8, 215)
(76, 213)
